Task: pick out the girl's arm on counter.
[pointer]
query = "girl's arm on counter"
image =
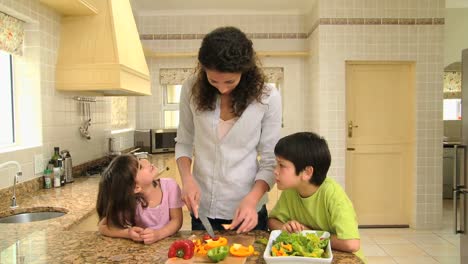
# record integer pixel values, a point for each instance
(132, 233)
(152, 235)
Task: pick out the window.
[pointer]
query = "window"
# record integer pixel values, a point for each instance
(7, 135)
(452, 109)
(171, 94)
(119, 115)
(277, 86)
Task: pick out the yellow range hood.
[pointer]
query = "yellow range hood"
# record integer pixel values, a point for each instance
(102, 54)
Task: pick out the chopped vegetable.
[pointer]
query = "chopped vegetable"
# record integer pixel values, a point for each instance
(218, 253)
(210, 243)
(294, 244)
(199, 248)
(262, 240)
(226, 226)
(239, 250)
(181, 249)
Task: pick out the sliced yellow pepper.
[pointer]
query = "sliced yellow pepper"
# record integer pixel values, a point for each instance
(239, 250)
(288, 247)
(210, 243)
(199, 248)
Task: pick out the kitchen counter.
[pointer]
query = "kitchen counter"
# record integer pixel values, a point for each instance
(51, 241)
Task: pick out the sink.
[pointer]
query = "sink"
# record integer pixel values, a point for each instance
(32, 215)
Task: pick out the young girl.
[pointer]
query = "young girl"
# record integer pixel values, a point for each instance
(132, 204)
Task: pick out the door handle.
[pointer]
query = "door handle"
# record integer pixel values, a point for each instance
(350, 128)
(462, 210)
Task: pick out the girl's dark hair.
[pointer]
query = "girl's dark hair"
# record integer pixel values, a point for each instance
(306, 149)
(227, 49)
(116, 199)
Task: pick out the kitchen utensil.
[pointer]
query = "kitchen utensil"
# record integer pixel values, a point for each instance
(206, 223)
(67, 165)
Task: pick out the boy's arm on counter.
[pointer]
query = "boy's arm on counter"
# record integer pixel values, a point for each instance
(274, 224)
(346, 245)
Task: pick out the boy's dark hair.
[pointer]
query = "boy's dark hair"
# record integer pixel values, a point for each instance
(306, 149)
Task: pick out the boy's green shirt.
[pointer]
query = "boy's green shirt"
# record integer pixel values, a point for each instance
(328, 209)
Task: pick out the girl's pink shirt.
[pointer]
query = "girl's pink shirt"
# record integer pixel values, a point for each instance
(157, 217)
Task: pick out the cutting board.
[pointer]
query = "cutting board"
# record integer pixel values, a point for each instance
(240, 239)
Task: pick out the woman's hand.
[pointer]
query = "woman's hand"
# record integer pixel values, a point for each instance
(293, 226)
(246, 215)
(150, 236)
(191, 195)
(134, 233)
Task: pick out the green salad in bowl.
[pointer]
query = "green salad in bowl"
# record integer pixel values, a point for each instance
(299, 244)
(309, 246)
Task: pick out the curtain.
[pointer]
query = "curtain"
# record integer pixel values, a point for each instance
(174, 76)
(273, 74)
(452, 85)
(179, 75)
(11, 34)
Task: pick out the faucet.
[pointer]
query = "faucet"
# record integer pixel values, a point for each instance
(15, 180)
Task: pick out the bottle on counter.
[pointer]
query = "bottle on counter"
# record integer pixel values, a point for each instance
(55, 157)
(47, 179)
(62, 172)
(50, 165)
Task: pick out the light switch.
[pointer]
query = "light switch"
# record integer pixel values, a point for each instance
(38, 163)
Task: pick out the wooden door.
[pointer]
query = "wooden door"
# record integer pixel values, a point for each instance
(380, 121)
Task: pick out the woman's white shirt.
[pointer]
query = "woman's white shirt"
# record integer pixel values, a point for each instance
(226, 168)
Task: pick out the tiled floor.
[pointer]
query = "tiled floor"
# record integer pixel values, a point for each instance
(406, 245)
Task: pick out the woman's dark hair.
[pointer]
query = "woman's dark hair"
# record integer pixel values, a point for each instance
(116, 199)
(306, 149)
(228, 50)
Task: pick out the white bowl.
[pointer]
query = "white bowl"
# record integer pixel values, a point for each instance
(295, 259)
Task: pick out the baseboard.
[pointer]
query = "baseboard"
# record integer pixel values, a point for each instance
(383, 226)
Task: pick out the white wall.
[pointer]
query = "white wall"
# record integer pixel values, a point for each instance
(420, 43)
(317, 82)
(456, 38)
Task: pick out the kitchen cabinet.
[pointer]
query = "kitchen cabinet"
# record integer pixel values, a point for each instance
(101, 54)
(72, 7)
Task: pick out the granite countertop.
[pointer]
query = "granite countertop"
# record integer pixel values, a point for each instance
(51, 241)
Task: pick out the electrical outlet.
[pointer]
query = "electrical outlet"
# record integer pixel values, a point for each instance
(38, 163)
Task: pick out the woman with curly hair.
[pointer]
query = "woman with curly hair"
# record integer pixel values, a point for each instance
(230, 121)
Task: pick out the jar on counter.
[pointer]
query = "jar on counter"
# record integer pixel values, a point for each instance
(47, 179)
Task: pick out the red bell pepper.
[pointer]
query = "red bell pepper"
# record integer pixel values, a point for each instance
(181, 249)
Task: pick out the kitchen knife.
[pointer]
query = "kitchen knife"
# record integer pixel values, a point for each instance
(206, 223)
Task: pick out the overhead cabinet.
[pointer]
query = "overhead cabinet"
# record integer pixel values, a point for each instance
(102, 53)
(72, 7)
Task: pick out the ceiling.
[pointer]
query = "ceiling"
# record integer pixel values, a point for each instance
(210, 6)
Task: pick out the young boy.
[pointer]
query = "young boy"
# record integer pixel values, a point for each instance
(309, 199)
